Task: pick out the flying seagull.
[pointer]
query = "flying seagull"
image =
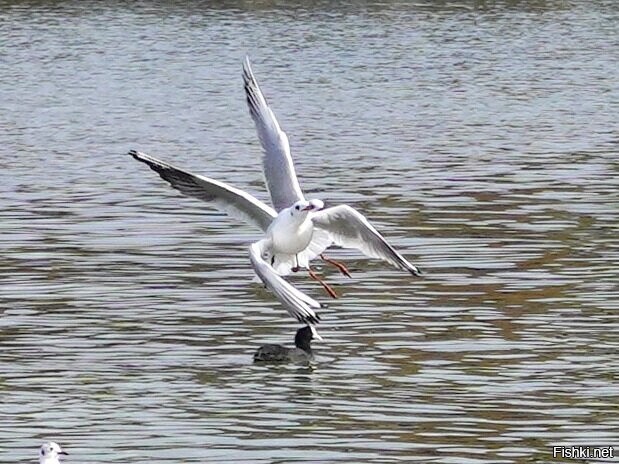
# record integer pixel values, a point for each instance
(297, 230)
(284, 189)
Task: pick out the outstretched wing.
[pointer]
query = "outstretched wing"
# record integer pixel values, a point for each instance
(235, 202)
(277, 166)
(298, 305)
(350, 229)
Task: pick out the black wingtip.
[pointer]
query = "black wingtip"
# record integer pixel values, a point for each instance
(134, 153)
(416, 272)
(310, 319)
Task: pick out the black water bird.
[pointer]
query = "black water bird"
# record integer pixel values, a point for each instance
(302, 352)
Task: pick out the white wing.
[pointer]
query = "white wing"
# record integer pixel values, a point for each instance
(235, 202)
(296, 303)
(277, 166)
(350, 229)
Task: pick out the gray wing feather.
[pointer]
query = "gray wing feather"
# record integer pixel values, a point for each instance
(350, 229)
(277, 165)
(298, 305)
(233, 201)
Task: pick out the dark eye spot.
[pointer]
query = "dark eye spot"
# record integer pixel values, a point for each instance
(296, 207)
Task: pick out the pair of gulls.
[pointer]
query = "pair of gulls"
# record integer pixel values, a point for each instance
(296, 230)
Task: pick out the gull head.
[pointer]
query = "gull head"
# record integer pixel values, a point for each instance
(304, 206)
(50, 453)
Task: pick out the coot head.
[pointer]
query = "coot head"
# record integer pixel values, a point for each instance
(304, 338)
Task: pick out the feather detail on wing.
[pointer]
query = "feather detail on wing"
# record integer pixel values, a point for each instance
(279, 173)
(235, 202)
(298, 305)
(350, 229)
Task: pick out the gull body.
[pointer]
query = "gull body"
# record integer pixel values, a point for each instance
(50, 453)
(291, 231)
(290, 237)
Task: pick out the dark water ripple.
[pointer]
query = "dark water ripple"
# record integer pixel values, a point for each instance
(479, 137)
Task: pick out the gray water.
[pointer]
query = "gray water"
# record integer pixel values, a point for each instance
(479, 137)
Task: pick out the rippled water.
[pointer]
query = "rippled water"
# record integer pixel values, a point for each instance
(480, 137)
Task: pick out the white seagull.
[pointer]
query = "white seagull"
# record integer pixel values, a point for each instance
(297, 230)
(50, 453)
(343, 225)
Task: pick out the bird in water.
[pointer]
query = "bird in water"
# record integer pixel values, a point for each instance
(302, 352)
(50, 453)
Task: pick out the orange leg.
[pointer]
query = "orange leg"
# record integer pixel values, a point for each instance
(328, 289)
(343, 269)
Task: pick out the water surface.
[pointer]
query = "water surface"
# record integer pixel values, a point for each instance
(480, 138)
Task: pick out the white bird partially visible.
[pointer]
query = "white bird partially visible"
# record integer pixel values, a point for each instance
(300, 230)
(50, 453)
